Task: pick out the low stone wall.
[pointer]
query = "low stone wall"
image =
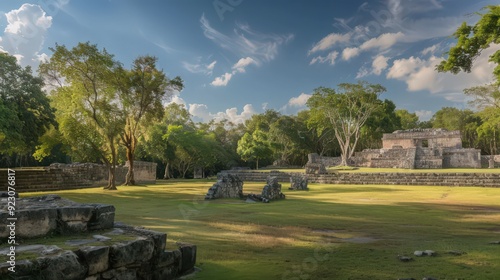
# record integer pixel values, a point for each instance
(118, 252)
(77, 175)
(485, 160)
(417, 179)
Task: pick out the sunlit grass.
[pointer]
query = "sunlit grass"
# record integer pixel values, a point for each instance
(328, 232)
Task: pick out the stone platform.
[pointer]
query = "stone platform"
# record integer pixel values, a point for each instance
(88, 244)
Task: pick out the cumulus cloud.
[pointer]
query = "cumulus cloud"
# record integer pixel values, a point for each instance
(222, 80)
(379, 64)
(349, 53)
(300, 100)
(420, 74)
(243, 63)
(330, 58)
(25, 34)
(202, 112)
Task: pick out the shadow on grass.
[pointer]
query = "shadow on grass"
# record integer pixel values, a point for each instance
(241, 241)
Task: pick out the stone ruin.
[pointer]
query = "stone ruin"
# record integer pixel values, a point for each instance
(231, 186)
(227, 186)
(298, 182)
(272, 190)
(410, 149)
(111, 250)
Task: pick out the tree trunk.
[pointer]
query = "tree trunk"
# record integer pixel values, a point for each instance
(112, 166)
(166, 175)
(130, 145)
(257, 164)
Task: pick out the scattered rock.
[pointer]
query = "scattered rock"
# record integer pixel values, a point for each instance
(495, 242)
(407, 279)
(257, 198)
(418, 253)
(405, 258)
(429, 278)
(429, 253)
(51, 249)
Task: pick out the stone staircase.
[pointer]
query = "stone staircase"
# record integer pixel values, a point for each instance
(428, 158)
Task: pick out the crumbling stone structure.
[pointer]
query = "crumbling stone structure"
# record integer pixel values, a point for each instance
(59, 176)
(298, 182)
(227, 186)
(137, 253)
(272, 190)
(416, 148)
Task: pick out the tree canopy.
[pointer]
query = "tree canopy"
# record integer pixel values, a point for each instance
(25, 112)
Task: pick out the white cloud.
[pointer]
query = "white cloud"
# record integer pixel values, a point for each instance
(25, 34)
(202, 112)
(349, 53)
(246, 42)
(420, 74)
(300, 100)
(330, 58)
(242, 63)
(379, 64)
(206, 69)
(424, 115)
(383, 41)
(222, 80)
(430, 50)
(329, 41)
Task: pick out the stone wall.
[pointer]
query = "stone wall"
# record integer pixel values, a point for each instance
(485, 160)
(118, 252)
(326, 161)
(465, 158)
(416, 179)
(76, 175)
(435, 138)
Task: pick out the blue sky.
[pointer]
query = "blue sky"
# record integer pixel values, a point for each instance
(240, 57)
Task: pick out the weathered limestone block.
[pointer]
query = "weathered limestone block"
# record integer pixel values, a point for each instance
(298, 182)
(168, 258)
(35, 223)
(227, 186)
(96, 258)
(136, 251)
(272, 190)
(159, 241)
(103, 217)
(74, 218)
(315, 168)
(121, 273)
(188, 252)
(63, 266)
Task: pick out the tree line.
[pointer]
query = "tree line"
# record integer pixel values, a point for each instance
(85, 106)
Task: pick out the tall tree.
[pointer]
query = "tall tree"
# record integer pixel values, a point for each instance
(347, 111)
(254, 147)
(408, 120)
(87, 102)
(142, 92)
(25, 112)
(471, 40)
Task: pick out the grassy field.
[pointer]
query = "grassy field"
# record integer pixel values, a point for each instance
(329, 232)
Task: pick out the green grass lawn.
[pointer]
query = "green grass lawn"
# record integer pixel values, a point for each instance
(329, 232)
